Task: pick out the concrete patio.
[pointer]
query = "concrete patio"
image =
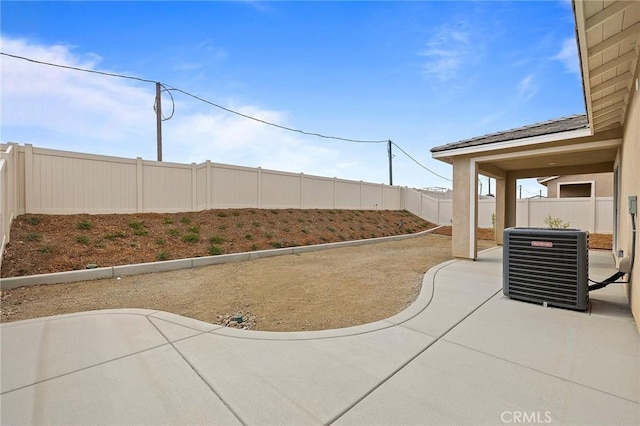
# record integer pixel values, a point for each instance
(461, 354)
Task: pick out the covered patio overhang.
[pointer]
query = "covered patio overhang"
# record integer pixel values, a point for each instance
(569, 149)
(608, 39)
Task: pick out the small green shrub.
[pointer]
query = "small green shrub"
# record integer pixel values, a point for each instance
(248, 237)
(277, 244)
(216, 250)
(137, 225)
(194, 229)
(113, 235)
(216, 240)
(99, 243)
(256, 224)
(82, 239)
(555, 223)
(191, 238)
(46, 249)
(268, 235)
(33, 236)
(301, 220)
(185, 220)
(174, 232)
(167, 221)
(235, 213)
(84, 225)
(140, 232)
(160, 241)
(222, 214)
(162, 255)
(33, 220)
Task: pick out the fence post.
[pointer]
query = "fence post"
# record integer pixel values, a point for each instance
(139, 185)
(194, 188)
(209, 185)
(592, 223)
(259, 195)
(28, 178)
(4, 211)
(301, 190)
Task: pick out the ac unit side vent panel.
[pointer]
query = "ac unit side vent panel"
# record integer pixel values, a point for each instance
(547, 266)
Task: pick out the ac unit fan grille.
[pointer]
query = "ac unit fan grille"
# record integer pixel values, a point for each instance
(547, 266)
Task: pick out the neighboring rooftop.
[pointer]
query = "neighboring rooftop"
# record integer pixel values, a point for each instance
(564, 124)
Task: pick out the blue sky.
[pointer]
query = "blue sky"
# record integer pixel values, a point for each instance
(419, 73)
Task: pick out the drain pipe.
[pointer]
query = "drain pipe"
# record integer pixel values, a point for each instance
(626, 264)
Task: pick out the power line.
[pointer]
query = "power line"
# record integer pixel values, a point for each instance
(77, 68)
(169, 89)
(419, 163)
(184, 92)
(290, 129)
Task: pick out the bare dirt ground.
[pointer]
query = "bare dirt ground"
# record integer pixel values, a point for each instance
(311, 291)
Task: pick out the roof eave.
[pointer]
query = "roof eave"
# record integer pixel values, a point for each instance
(515, 143)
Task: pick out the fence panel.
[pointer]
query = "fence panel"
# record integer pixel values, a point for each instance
(318, 192)
(445, 212)
(4, 206)
(60, 182)
(391, 198)
(280, 190)
(486, 211)
(8, 192)
(347, 194)
(235, 187)
(371, 196)
(604, 215)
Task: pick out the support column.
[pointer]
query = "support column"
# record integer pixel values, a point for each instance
(465, 208)
(505, 206)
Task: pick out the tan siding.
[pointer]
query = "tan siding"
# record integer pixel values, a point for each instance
(630, 185)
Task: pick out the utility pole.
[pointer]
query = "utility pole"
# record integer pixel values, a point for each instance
(520, 190)
(390, 163)
(489, 193)
(159, 120)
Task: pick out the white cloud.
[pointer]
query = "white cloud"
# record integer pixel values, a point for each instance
(447, 50)
(70, 110)
(527, 88)
(568, 55)
(79, 109)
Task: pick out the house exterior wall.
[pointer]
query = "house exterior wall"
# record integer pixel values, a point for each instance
(603, 184)
(630, 185)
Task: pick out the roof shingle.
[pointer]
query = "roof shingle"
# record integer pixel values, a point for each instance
(573, 122)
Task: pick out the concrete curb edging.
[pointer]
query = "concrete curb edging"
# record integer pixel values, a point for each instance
(194, 262)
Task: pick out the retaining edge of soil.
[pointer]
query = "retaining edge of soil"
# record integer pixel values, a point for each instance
(193, 262)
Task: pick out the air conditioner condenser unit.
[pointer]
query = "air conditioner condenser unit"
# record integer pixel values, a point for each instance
(547, 266)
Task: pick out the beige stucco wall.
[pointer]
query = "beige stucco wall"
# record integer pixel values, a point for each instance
(603, 183)
(630, 185)
(465, 205)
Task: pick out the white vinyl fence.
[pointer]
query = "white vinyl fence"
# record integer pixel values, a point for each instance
(46, 181)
